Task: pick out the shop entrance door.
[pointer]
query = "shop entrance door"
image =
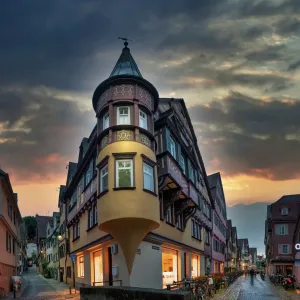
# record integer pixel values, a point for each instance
(110, 277)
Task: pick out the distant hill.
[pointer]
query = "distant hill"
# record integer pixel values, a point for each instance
(250, 223)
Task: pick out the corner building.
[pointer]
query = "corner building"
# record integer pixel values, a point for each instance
(139, 204)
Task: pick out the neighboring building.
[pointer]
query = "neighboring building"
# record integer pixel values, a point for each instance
(253, 252)
(245, 256)
(281, 221)
(219, 223)
(138, 207)
(41, 235)
(10, 220)
(52, 242)
(231, 247)
(22, 264)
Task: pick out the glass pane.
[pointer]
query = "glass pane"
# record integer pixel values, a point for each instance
(121, 164)
(148, 182)
(104, 186)
(124, 178)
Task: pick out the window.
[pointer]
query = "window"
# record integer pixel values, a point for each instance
(196, 230)
(172, 147)
(195, 266)
(106, 121)
(123, 117)
(207, 237)
(81, 267)
(95, 214)
(89, 173)
(284, 249)
(282, 229)
(284, 211)
(76, 230)
(98, 268)
(7, 241)
(143, 120)
(148, 177)
(90, 217)
(104, 179)
(182, 163)
(169, 266)
(124, 173)
(169, 215)
(179, 223)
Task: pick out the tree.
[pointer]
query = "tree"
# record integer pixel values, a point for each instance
(30, 224)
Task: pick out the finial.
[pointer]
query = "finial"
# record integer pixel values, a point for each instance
(126, 41)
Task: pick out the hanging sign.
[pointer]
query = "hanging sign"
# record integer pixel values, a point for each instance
(297, 247)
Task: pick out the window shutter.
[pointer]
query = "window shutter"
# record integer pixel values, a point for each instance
(288, 249)
(168, 139)
(279, 248)
(286, 229)
(277, 229)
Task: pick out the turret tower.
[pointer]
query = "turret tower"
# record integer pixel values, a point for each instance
(128, 206)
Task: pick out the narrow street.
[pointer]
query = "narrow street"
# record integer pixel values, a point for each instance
(245, 289)
(38, 287)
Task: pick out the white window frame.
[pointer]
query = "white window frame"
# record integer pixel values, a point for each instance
(172, 147)
(282, 229)
(179, 223)
(282, 246)
(149, 174)
(284, 211)
(118, 115)
(102, 175)
(91, 217)
(125, 168)
(105, 120)
(143, 119)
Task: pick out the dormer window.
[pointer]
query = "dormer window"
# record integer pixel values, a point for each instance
(143, 120)
(106, 121)
(284, 211)
(123, 116)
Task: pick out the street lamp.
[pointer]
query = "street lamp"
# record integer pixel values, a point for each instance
(59, 238)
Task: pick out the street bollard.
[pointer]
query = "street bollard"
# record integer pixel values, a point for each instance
(70, 289)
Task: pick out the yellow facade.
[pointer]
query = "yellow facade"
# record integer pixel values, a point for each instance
(128, 215)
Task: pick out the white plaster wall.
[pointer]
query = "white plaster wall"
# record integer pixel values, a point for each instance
(147, 267)
(118, 260)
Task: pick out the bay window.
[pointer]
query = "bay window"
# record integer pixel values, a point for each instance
(124, 173)
(104, 179)
(106, 121)
(148, 173)
(172, 147)
(143, 119)
(123, 115)
(182, 163)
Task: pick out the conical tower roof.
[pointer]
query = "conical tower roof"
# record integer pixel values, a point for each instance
(126, 64)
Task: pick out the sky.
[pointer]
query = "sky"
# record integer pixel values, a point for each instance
(235, 63)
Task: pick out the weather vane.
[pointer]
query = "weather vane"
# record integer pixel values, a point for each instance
(125, 39)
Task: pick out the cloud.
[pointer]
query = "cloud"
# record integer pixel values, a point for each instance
(250, 136)
(39, 134)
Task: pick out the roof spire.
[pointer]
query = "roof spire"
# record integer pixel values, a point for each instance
(126, 64)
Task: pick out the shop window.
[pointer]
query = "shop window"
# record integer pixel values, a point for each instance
(143, 119)
(81, 266)
(148, 172)
(104, 179)
(284, 211)
(195, 266)
(123, 115)
(98, 268)
(169, 266)
(106, 121)
(124, 170)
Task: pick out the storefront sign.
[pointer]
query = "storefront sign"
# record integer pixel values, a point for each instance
(155, 248)
(297, 247)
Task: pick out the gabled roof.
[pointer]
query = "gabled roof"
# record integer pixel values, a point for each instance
(288, 199)
(41, 225)
(242, 242)
(126, 64)
(72, 168)
(62, 190)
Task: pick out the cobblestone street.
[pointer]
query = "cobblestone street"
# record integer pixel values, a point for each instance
(244, 289)
(37, 287)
